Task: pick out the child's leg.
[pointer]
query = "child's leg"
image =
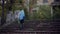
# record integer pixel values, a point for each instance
(21, 24)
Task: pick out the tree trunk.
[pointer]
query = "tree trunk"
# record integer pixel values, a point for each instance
(2, 17)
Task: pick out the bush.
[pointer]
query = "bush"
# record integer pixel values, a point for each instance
(0, 10)
(44, 12)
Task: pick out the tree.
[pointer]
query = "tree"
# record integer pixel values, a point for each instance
(2, 17)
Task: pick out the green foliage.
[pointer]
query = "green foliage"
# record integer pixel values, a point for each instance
(0, 10)
(20, 1)
(44, 12)
(26, 13)
(56, 13)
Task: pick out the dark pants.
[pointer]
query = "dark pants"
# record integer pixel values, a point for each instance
(21, 24)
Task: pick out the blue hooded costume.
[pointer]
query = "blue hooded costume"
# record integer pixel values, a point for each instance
(21, 15)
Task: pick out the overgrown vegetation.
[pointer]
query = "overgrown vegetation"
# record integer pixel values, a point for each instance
(0, 10)
(44, 11)
(56, 13)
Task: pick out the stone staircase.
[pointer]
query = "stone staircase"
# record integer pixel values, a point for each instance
(33, 27)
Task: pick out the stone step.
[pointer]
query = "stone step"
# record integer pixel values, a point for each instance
(31, 32)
